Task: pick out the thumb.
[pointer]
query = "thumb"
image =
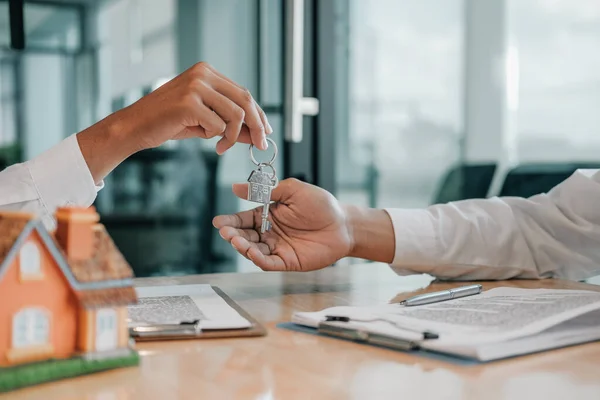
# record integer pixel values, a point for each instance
(240, 190)
(284, 190)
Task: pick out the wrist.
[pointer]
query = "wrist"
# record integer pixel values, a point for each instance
(372, 234)
(105, 145)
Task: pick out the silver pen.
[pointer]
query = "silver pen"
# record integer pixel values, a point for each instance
(444, 295)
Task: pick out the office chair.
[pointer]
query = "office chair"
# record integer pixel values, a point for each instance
(527, 180)
(465, 182)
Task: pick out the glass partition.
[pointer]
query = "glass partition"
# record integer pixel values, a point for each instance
(405, 101)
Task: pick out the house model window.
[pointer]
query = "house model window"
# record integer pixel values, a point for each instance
(30, 261)
(31, 327)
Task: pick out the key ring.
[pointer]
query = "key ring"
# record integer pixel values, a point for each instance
(262, 164)
(272, 158)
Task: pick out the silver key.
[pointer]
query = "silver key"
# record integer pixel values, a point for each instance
(260, 185)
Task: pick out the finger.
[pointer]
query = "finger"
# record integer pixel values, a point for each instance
(229, 233)
(211, 122)
(281, 194)
(240, 190)
(231, 113)
(240, 245)
(223, 145)
(264, 119)
(286, 189)
(266, 262)
(262, 114)
(220, 75)
(241, 220)
(191, 132)
(244, 137)
(198, 131)
(244, 99)
(243, 246)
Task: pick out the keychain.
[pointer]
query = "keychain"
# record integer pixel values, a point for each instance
(261, 183)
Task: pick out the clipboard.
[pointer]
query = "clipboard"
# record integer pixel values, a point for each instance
(339, 331)
(192, 329)
(380, 341)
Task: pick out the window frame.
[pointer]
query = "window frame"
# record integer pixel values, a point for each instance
(33, 324)
(30, 252)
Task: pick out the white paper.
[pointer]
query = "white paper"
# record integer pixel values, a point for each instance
(496, 315)
(184, 303)
(581, 329)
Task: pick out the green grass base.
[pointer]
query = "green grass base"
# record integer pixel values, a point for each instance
(32, 374)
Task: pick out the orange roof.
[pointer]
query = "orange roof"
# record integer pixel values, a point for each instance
(11, 226)
(107, 297)
(106, 263)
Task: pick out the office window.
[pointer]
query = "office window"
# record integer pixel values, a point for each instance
(557, 43)
(405, 106)
(9, 148)
(47, 27)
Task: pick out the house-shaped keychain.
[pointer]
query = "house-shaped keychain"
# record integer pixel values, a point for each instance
(260, 185)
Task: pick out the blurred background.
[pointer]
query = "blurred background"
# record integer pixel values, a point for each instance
(386, 103)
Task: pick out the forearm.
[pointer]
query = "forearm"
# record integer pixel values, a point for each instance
(106, 144)
(372, 234)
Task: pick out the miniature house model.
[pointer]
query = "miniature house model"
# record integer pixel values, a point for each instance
(63, 295)
(260, 185)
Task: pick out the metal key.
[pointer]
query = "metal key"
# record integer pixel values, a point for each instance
(260, 185)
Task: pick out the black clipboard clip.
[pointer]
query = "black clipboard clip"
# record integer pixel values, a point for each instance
(335, 329)
(333, 326)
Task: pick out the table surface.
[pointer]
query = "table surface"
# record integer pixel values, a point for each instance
(290, 365)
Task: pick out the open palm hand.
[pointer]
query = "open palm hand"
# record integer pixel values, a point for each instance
(308, 229)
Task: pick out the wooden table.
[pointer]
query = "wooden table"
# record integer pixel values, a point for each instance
(290, 365)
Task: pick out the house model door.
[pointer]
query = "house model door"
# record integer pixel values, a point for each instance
(106, 330)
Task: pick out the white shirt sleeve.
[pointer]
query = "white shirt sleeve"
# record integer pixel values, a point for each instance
(549, 235)
(58, 177)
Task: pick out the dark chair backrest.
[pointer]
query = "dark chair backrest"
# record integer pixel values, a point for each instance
(530, 179)
(465, 182)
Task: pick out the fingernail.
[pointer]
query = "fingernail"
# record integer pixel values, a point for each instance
(269, 129)
(233, 245)
(265, 145)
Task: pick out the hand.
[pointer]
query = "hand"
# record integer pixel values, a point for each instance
(310, 230)
(200, 102)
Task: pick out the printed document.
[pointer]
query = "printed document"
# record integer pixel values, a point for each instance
(184, 303)
(469, 325)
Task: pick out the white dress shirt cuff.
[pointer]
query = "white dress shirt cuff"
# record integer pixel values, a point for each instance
(417, 245)
(62, 177)
(416, 242)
